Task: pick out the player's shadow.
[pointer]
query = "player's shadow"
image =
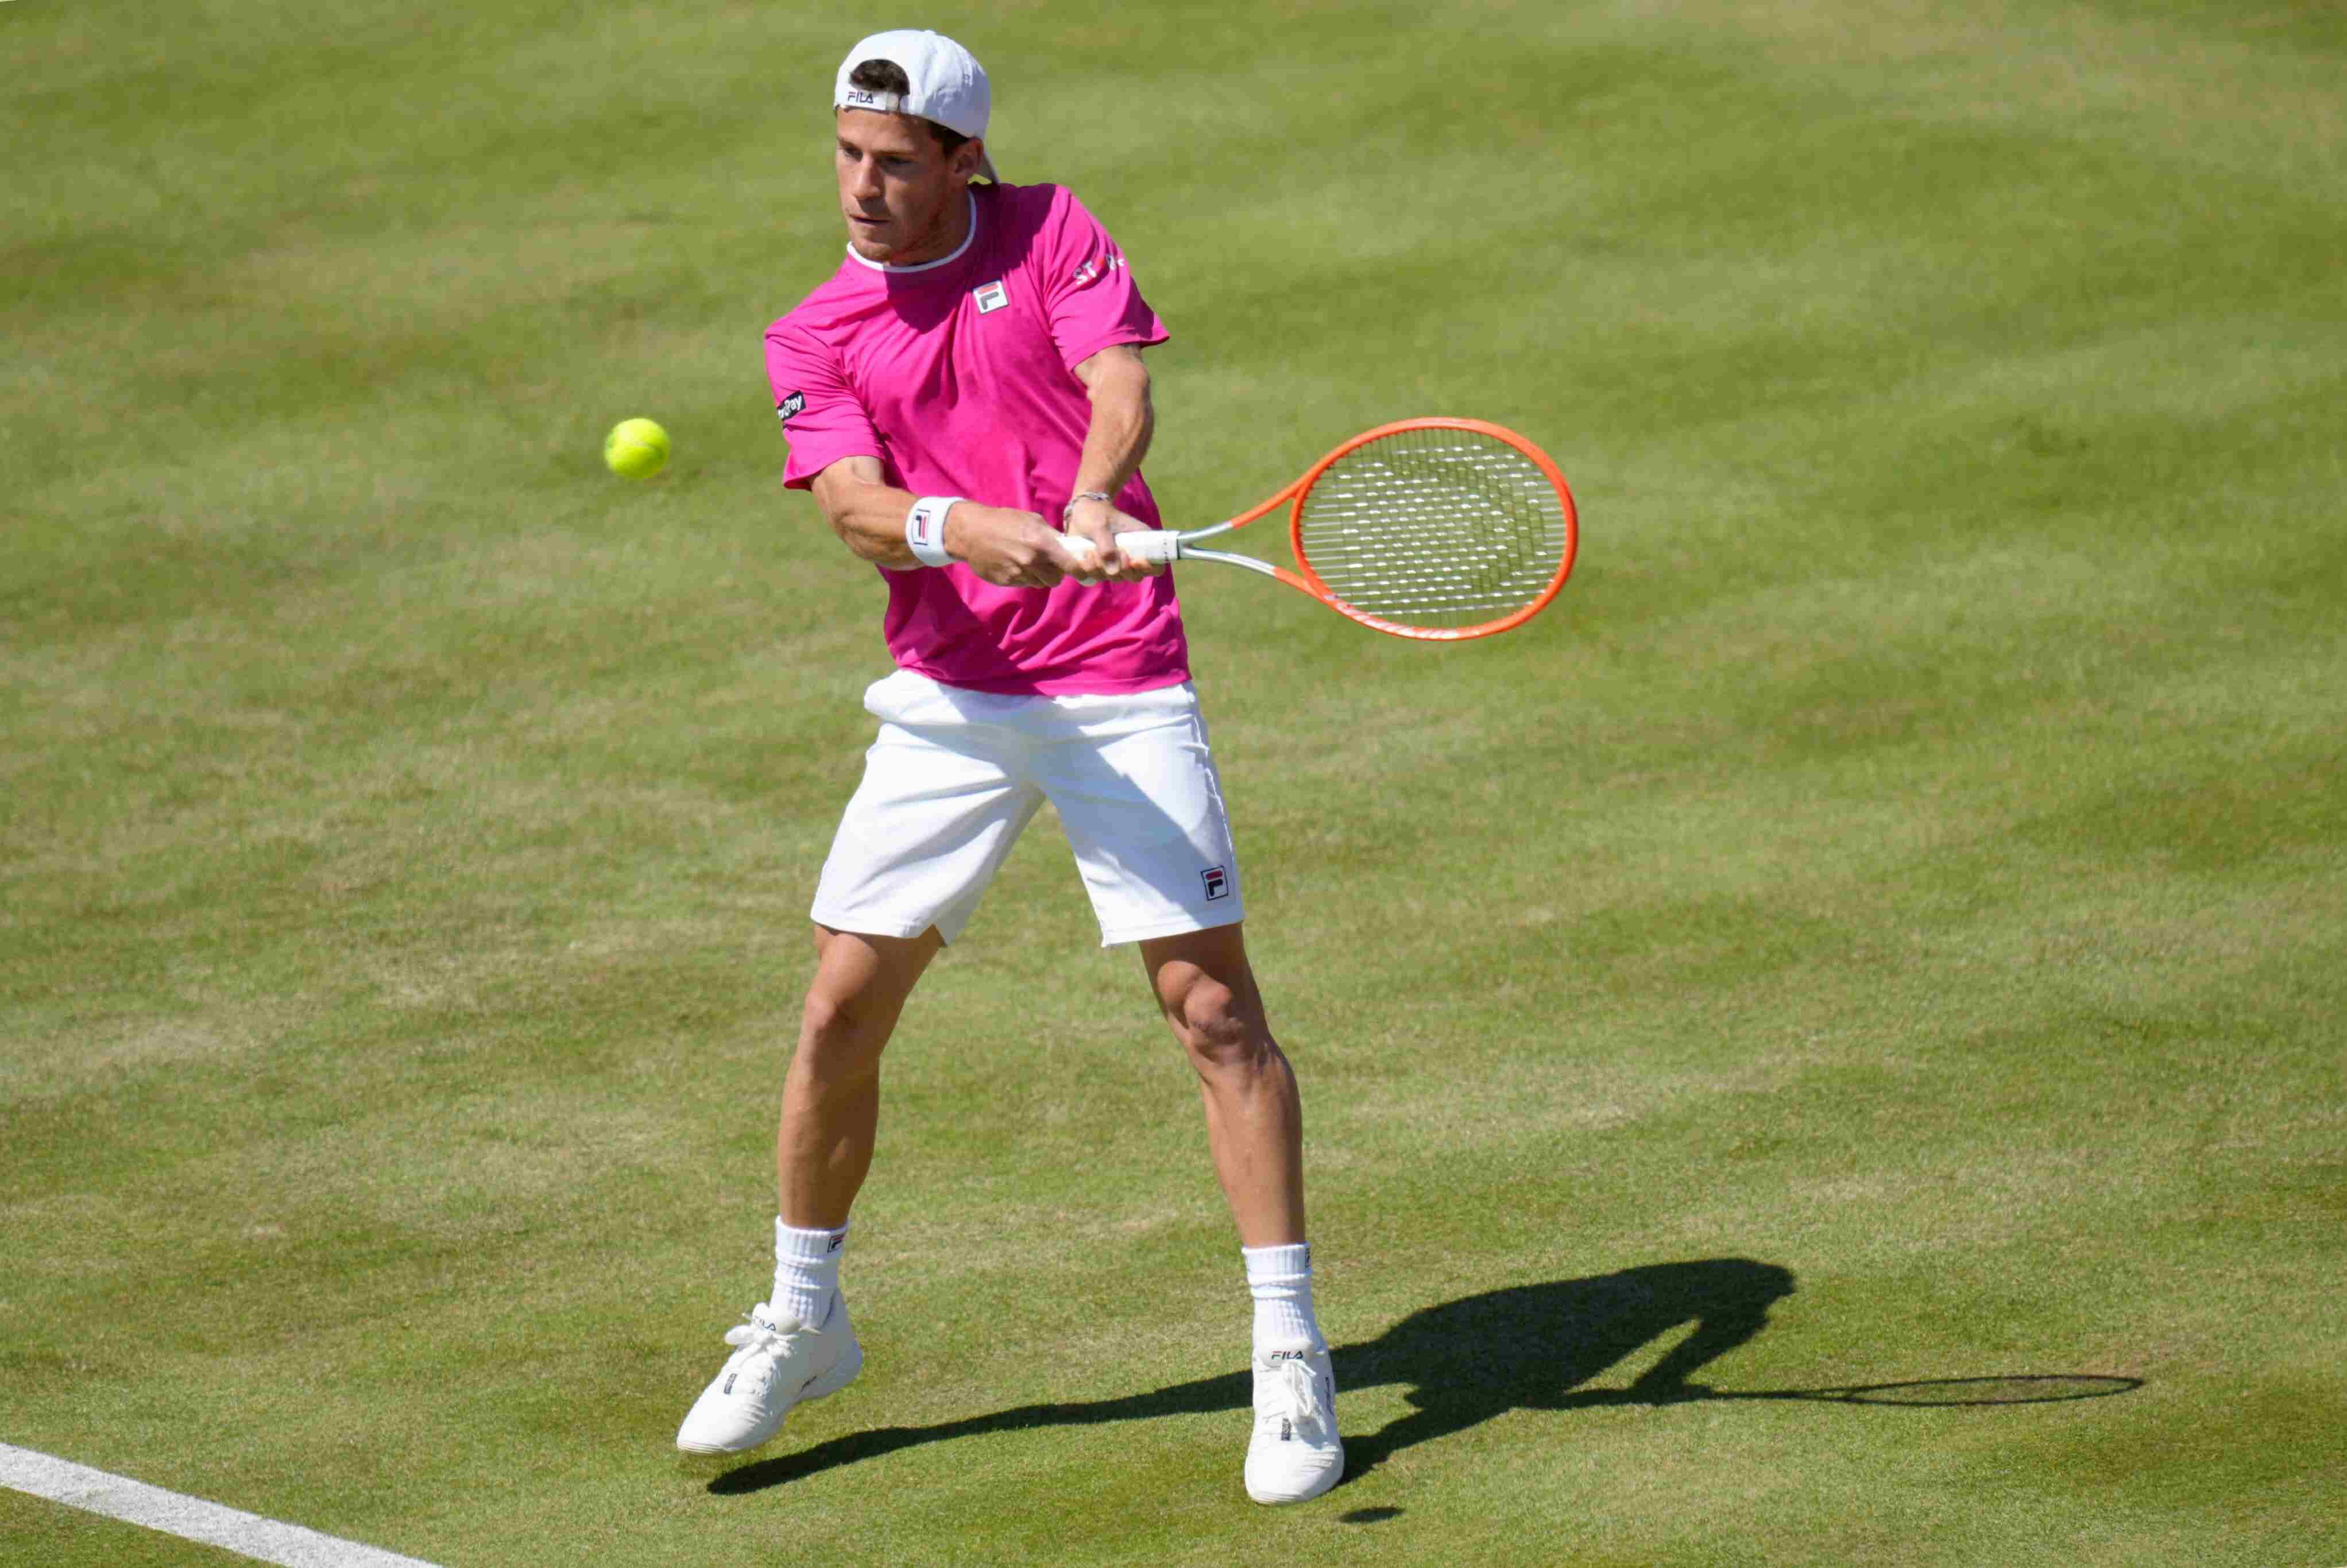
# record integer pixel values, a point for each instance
(1538, 1347)
(1529, 1347)
(1464, 1362)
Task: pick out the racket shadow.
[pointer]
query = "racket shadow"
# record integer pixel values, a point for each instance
(1465, 1362)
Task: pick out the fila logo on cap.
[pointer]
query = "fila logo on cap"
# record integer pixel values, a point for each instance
(990, 296)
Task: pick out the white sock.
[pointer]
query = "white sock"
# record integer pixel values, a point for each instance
(1280, 1280)
(807, 1271)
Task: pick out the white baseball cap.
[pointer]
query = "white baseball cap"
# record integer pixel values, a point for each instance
(949, 84)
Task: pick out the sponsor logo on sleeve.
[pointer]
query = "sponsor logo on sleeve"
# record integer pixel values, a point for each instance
(1218, 883)
(1098, 267)
(990, 296)
(790, 405)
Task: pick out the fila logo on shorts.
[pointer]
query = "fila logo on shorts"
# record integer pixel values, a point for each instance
(990, 296)
(1218, 884)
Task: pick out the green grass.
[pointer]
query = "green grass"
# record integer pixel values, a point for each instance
(1888, 911)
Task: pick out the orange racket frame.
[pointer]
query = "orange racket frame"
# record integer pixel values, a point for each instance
(1165, 546)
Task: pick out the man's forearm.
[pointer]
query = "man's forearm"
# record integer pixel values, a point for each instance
(1002, 545)
(868, 515)
(1122, 421)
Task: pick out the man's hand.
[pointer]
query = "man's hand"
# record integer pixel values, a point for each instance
(1011, 548)
(1100, 522)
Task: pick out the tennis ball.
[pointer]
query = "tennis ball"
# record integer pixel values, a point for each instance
(636, 448)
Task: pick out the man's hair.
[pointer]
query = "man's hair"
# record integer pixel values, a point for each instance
(889, 77)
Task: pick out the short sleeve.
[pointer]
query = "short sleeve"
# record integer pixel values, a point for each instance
(821, 417)
(1088, 290)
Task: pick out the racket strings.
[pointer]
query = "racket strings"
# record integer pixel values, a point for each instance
(1434, 529)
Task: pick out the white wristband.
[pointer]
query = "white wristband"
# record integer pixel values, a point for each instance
(925, 530)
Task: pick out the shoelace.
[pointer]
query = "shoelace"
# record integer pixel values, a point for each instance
(1295, 1397)
(756, 1337)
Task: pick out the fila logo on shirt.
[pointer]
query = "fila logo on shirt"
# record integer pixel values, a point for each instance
(990, 296)
(790, 405)
(1218, 884)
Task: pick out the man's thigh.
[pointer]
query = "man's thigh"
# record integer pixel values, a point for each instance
(923, 834)
(1144, 814)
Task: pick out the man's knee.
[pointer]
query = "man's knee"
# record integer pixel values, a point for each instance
(859, 989)
(834, 1018)
(1218, 1027)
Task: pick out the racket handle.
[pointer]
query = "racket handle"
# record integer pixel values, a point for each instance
(1155, 544)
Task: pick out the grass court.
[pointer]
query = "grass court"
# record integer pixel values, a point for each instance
(1825, 1048)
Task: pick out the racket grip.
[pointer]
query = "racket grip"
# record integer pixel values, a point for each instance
(1155, 544)
(1153, 547)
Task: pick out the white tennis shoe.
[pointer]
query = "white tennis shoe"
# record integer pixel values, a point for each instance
(1295, 1454)
(776, 1363)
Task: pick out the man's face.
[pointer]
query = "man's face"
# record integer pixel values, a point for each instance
(900, 192)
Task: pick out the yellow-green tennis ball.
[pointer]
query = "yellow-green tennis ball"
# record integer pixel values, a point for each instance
(636, 448)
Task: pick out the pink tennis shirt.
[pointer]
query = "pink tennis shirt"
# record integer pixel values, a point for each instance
(958, 377)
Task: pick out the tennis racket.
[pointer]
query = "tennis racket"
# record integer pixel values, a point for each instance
(1438, 529)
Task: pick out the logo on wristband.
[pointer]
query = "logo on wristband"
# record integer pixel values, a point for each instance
(925, 530)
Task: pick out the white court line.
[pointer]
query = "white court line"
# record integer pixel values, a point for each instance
(189, 1518)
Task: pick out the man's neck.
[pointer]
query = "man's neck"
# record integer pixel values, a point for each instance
(944, 249)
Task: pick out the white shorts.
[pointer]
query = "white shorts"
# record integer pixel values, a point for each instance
(956, 775)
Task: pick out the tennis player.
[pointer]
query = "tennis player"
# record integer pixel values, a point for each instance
(967, 385)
